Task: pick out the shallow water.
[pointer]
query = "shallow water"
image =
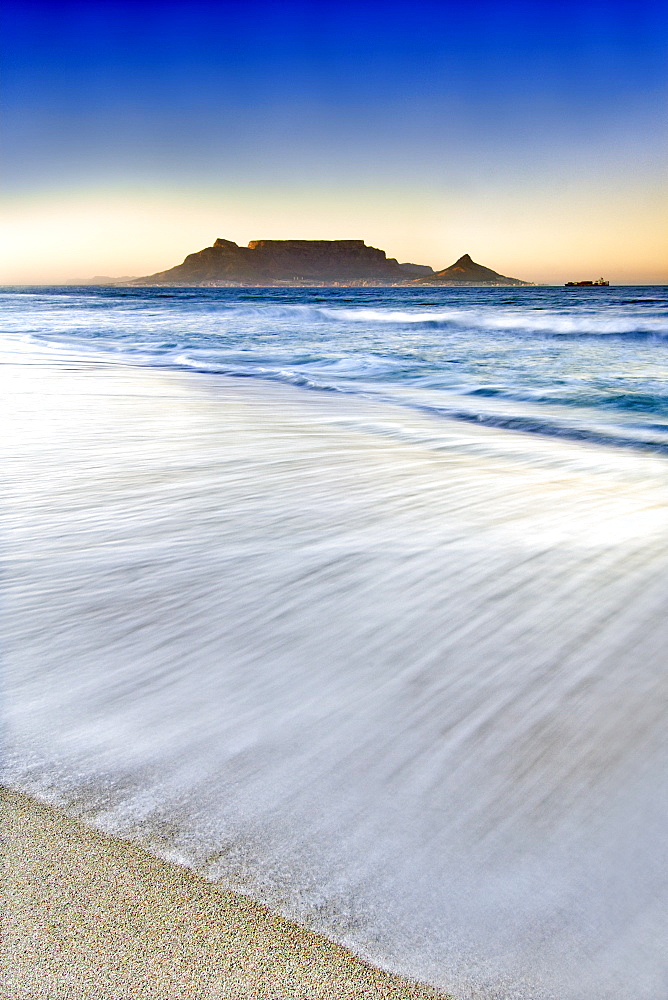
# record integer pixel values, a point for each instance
(399, 676)
(582, 363)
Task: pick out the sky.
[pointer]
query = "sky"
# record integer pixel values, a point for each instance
(531, 135)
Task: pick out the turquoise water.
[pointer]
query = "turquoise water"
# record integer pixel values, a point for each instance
(581, 363)
(355, 601)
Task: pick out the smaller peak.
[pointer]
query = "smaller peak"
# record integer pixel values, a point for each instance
(466, 259)
(225, 243)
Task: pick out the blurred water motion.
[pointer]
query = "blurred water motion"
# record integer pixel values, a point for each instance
(549, 361)
(400, 678)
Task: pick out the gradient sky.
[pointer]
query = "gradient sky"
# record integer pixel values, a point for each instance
(533, 135)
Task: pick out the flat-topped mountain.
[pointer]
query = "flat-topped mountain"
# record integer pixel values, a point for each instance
(466, 272)
(269, 262)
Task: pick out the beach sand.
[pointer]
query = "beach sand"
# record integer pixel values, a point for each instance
(89, 916)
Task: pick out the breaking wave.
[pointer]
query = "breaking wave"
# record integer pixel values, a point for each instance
(545, 323)
(536, 360)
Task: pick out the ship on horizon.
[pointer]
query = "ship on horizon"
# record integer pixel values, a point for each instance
(600, 283)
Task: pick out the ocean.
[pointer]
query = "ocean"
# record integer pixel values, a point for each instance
(355, 601)
(580, 363)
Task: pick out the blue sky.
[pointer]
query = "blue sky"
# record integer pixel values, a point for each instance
(532, 135)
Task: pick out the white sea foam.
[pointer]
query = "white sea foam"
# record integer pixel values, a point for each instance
(544, 321)
(400, 678)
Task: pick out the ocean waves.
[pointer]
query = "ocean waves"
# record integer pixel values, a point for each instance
(383, 648)
(591, 365)
(546, 323)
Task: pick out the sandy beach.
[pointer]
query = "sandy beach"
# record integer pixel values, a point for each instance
(89, 916)
(393, 678)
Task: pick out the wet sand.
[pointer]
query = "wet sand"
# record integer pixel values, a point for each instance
(89, 916)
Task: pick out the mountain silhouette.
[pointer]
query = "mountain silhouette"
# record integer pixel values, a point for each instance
(466, 272)
(287, 262)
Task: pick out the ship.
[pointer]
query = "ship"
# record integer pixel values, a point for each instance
(601, 283)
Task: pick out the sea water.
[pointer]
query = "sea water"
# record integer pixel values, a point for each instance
(355, 600)
(582, 363)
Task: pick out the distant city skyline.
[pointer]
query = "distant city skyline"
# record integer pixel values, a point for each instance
(531, 136)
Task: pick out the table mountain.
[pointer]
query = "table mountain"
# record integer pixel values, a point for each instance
(269, 262)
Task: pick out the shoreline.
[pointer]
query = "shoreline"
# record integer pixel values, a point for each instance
(89, 915)
(244, 623)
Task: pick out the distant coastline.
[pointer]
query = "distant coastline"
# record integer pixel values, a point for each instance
(300, 263)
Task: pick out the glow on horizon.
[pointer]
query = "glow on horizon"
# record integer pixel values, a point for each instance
(530, 136)
(61, 236)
